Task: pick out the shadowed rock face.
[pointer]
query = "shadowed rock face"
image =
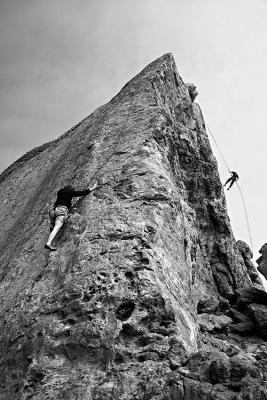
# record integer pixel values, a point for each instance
(143, 299)
(262, 261)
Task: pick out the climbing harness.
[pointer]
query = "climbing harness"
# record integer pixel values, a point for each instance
(239, 188)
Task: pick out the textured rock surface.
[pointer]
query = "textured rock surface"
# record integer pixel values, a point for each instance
(262, 260)
(142, 299)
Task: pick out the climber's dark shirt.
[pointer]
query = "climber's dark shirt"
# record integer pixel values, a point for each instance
(64, 196)
(234, 175)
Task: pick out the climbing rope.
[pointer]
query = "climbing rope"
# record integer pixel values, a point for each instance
(239, 188)
(246, 215)
(216, 144)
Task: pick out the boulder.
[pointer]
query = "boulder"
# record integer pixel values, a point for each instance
(209, 322)
(251, 295)
(259, 314)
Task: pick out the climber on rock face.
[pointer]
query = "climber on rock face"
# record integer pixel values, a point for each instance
(232, 179)
(60, 211)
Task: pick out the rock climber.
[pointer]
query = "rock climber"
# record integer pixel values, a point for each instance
(60, 211)
(232, 179)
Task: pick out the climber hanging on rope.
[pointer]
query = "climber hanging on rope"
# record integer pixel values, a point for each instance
(232, 179)
(60, 211)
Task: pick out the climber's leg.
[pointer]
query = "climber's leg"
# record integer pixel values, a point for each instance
(231, 184)
(52, 219)
(57, 218)
(228, 180)
(58, 224)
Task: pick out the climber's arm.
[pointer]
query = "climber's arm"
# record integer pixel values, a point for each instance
(78, 193)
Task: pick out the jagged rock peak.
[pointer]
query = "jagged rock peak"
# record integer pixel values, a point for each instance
(148, 295)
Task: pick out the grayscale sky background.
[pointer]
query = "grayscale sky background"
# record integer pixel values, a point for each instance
(61, 59)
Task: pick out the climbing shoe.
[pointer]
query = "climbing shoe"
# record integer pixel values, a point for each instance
(51, 248)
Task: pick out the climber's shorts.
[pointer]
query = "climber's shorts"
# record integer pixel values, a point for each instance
(59, 213)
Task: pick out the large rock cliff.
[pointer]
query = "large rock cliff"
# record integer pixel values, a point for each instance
(148, 296)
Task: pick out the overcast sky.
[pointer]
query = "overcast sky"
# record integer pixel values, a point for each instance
(61, 59)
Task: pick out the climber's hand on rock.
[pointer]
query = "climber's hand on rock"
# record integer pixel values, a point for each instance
(94, 186)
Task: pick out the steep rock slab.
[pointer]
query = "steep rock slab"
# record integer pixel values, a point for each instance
(113, 313)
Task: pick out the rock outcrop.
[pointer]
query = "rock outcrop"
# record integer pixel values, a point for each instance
(262, 261)
(149, 296)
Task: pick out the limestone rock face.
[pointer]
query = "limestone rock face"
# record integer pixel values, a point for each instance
(142, 298)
